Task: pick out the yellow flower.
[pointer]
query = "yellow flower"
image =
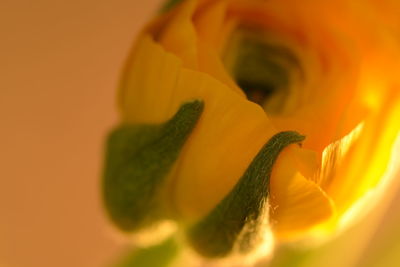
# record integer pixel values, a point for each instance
(217, 95)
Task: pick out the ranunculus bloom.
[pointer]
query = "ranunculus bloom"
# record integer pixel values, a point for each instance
(217, 95)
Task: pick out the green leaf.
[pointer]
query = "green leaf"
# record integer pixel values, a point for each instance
(161, 255)
(138, 159)
(235, 221)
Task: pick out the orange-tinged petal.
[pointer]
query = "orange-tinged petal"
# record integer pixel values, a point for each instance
(180, 37)
(147, 87)
(365, 164)
(297, 203)
(229, 134)
(208, 24)
(209, 21)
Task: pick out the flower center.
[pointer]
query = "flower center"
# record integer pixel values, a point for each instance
(266, 71)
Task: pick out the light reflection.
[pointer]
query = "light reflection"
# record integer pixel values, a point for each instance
(148, 237)
(380, 192)
(155, 234)
(333, 155)
(364, 205)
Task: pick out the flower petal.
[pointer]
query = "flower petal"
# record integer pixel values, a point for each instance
(296, 202)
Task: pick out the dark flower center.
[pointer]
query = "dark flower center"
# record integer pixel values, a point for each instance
(263, 70)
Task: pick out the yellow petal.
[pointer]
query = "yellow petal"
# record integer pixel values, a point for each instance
(297, 203)
(210, 21)
(229, 133)
(147, 87)
(180, 37)
(209, 25)
(364, 166)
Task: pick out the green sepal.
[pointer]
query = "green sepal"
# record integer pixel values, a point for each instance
(235, 221)
(138, 159)
(169, 5)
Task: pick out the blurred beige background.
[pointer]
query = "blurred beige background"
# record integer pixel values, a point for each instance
(59, 67)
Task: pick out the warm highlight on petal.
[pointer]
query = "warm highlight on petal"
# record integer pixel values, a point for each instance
(297, 203)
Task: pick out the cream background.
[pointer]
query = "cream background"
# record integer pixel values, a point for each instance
(59, 66)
